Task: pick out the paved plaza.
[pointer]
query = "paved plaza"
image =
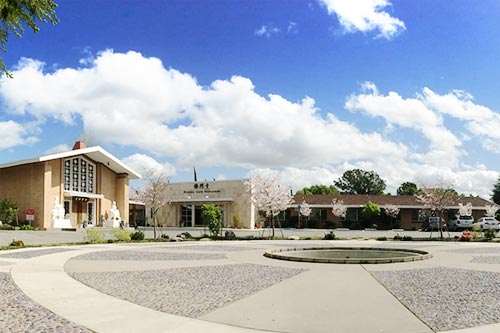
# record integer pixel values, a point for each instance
(231, 287)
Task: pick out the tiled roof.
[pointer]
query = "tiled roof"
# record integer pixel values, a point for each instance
(381, 200)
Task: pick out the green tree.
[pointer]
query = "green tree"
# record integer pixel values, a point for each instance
(370, 210)
(319, 189)
(360, 182)
(496, 192)
(211, 216)
(407, 188)
(16, 14)
(8, 211)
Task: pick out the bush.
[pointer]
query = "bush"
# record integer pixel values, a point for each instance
(329, 236)
(93, 235)
(407, 238)
(162, 236)
(229, 234)
(211, 215)
(17, 243)
(8, 211)
(185, 235)
(489, 234)
(383, 238)
(26, 227)
(236, 220)
(397, 237)
(139, 235)
(466, 236)
(121, 235)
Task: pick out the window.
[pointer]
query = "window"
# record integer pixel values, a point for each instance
(352, 214)
(79, 175)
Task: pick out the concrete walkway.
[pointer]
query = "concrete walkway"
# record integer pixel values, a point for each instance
(311, 298)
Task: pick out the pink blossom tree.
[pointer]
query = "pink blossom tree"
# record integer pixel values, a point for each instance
(338, 208)
(436, 200)
(465, 210)
(269, 196)
(305, 210)
(491, 210)
(392, 211)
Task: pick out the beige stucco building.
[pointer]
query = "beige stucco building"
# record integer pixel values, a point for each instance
(84, 180)
(186, 199)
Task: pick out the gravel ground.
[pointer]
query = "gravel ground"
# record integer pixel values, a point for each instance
(446, 298)
(225, 248)
(486, 260)
(142, 255)
(32, 254)
(189, 292)
(19, 314)
(475, 250)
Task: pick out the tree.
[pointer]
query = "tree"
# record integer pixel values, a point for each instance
(211, 216)
(15, 14)
(319, 189)
(491, 210)
(496, 192)
(436, 200)
(155, 193)
(269, 196)
(370, 210)
(305, 210)
(392, 211)
(407, 188)
(8, 211)
(338, 208)
(360, 182)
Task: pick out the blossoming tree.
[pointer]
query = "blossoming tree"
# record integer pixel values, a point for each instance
(491, 210)
(465, 210)
(436, 200)
(305, 210)
(338, 208)
(269, 196)
(392, 211)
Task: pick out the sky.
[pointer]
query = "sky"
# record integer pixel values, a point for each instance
(306, 89)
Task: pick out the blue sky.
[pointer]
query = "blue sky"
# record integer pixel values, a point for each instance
(308, 89)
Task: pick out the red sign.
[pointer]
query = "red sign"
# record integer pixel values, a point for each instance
(30, 211)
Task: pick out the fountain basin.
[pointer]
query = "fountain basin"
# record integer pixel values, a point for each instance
(348, 255)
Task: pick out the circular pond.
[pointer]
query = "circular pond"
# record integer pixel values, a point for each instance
(348, 255)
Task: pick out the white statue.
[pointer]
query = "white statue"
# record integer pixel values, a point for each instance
(58, 210)
(114, 213)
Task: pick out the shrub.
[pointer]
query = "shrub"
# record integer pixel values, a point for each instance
(489, 234)
(466, 236)
(162, 236)
(407, 238)
(185, 235)
(139, 235)
(329, 236)
(397, 237)
(121, 235)
(17, 243)
(236, 220)
(475, 231)
(8, 211)
(26, 227)
(229, 235)
(211, 215)
(93, 235)
(383, 238)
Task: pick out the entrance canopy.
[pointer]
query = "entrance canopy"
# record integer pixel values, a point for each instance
(83, 195)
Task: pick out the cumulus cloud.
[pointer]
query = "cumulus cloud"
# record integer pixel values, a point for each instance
(142, 163)
(128, 99)
(365, 16)
(14, 134)
(58, 149)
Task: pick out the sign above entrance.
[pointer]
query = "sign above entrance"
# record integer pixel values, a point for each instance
(83, 199)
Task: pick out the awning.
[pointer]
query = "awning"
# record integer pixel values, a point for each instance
(83, 195)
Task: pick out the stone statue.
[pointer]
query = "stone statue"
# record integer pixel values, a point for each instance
(58, 211)
(114, 213)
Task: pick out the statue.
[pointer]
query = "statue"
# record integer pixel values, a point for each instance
(58, 210)
(114, 213)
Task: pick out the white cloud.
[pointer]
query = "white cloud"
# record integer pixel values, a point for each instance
(128, 99)
(266, 31)
(58, 149)
(142, 163)
(292, 28)
(14, 134)
(365, 16)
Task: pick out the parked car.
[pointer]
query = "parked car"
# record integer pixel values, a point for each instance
(460, 222)
(487, 223)
(432, 223)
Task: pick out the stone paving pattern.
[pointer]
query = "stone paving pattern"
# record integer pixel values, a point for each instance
(19, 314)
(486, 260)
(446, 298)
(476, 250)
(33, 253)
(189, 292)
(142, 255)
(223, 248)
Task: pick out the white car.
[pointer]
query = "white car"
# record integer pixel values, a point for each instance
(488, 223)
(460, 222)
